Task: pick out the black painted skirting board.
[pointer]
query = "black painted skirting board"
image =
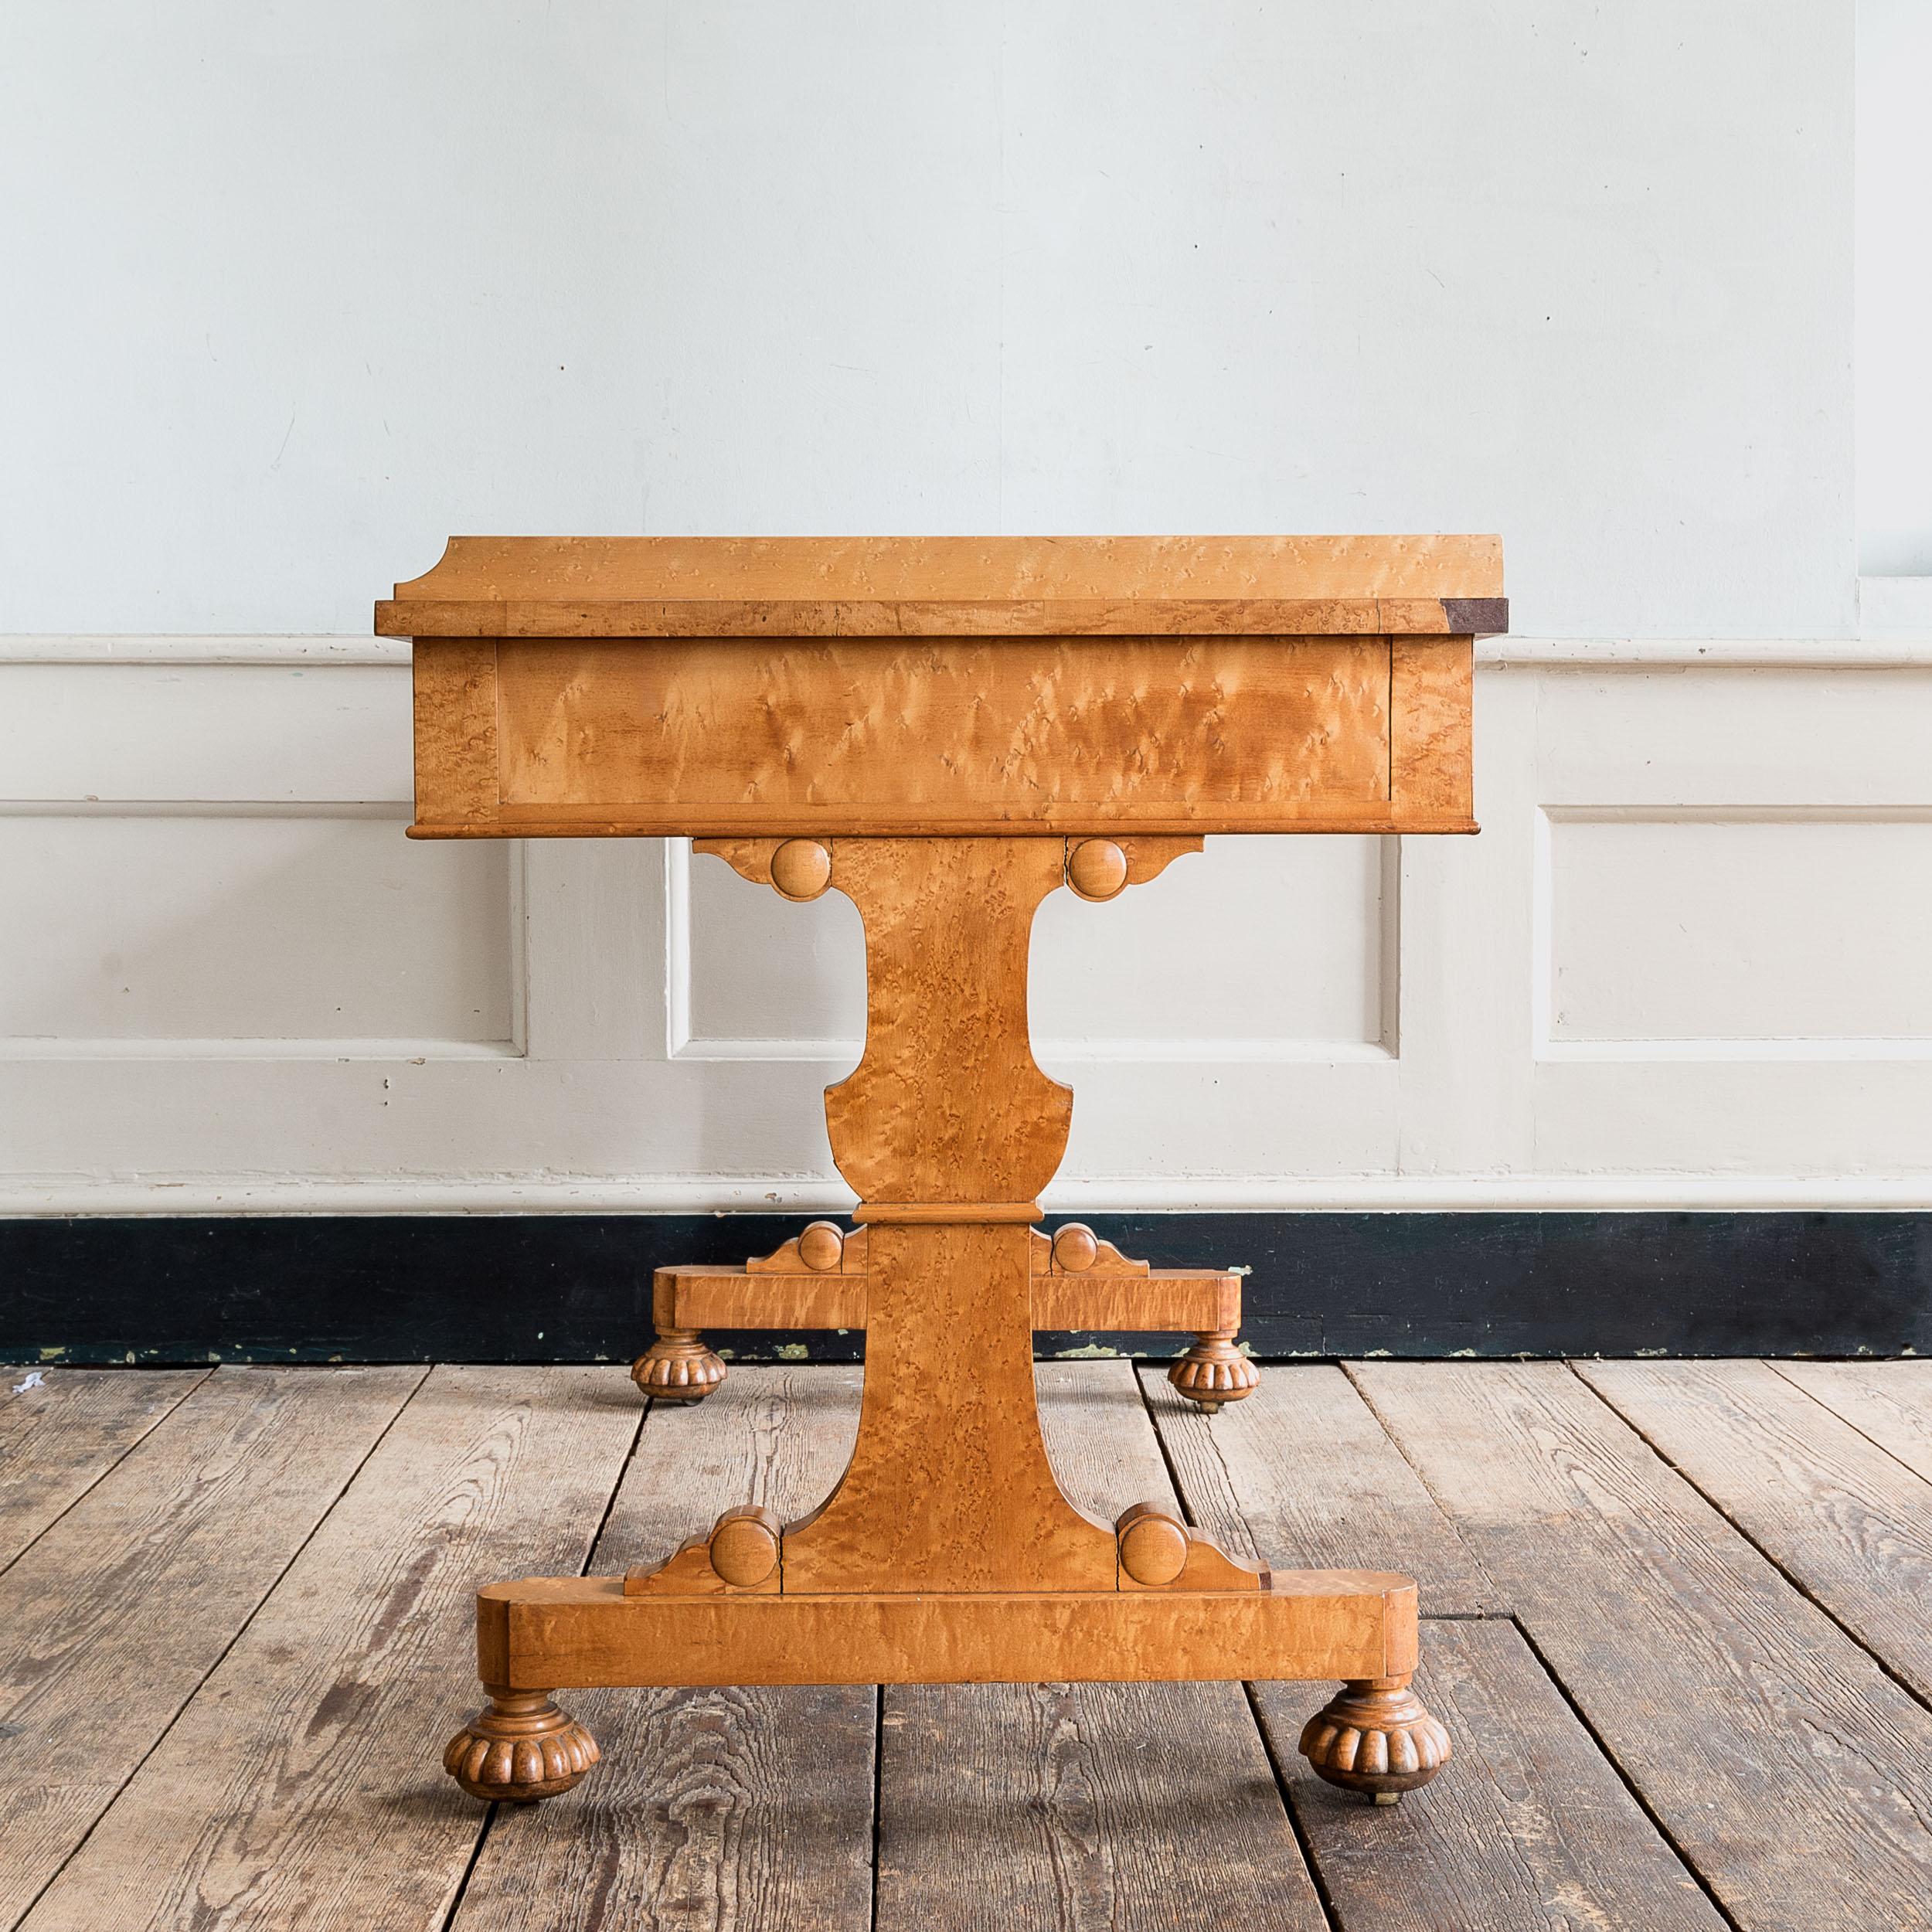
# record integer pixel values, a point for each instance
(577, 1288)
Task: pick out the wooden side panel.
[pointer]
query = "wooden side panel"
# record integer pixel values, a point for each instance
(864, 736)
(1431, 688)
(456, 736)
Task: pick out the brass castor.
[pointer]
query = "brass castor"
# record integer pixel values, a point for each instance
(519, 1748)
(1214, 1371)
(1375, 1736)
(677, 1367)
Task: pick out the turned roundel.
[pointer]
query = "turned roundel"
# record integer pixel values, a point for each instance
(744, 1546)
(1097, 869)
(801, 868)
(1076, 1248)
(822, 1246)
(1153, 1543)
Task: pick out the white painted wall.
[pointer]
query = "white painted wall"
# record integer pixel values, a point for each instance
(1894, 164)
(293, 293)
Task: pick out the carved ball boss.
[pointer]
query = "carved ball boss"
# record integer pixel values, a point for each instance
(945, 730)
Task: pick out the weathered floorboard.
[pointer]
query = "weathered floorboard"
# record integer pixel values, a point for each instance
(1113, 1805)
(1795, 1774)
(303, 1787)
(113, 1617)
(1891, 1401)
(1301, 1474)
(744, 1808)
(58, 1439)
(1849, 1522)
(1529, 1827)
(1529, 1812)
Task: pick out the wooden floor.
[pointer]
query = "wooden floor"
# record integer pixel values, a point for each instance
(1679, 1621)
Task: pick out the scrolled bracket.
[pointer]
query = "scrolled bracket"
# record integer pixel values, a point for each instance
(740, 1556)
(1158, 1551)
(799, 869)
(1101, 868)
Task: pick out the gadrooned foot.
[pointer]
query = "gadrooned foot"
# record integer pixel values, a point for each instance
(520, 1747)
(1375, 1738)
(677, 1367)
(1214, 1371)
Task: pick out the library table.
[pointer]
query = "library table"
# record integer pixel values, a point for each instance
(946, 729)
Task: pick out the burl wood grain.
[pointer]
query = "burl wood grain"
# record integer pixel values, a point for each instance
(950, 1473)
(1431, 699)
(585, 1631)
(947, 1104)
(948, 587)
(587, 687)
(1163, 1301)
(864, 737)
(930, 728)
(456, 742)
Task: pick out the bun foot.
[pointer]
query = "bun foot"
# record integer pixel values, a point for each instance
(1214, 1371)
(677, 1367)
(1375, 1738)
(520, 1748)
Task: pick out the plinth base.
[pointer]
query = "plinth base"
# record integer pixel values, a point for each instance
(545, 1632)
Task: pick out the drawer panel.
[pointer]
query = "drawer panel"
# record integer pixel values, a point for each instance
(953, 733)
(523, 738)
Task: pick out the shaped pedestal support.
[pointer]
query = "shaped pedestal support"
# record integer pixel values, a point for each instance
(948, 1552)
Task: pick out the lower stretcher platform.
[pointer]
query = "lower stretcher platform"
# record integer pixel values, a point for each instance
(578, 1632)
(818, 1281)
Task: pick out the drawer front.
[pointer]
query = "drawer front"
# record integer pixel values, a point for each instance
(710, 736)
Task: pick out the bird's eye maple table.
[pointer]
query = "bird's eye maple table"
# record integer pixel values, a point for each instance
(947, 729)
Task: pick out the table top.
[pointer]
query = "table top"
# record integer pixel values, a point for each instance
(582, 586)
(964, 687)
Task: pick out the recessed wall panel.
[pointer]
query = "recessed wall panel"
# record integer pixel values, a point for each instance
(1785, 927)
(1251, 946)
(239, 926)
